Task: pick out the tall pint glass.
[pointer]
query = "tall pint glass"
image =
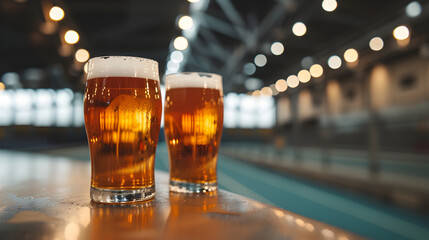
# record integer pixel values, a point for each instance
(122, 108)
(193, 127)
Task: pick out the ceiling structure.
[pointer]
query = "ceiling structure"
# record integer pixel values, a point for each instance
(226, 35)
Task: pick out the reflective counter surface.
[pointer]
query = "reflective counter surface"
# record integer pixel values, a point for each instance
(46, 197)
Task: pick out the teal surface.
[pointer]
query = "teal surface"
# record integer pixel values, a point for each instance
(359, 214)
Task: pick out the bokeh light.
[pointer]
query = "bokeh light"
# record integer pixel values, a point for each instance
(413, 9)
(351, 55)
(176, 56)
(401, 32)
(292, 81)
(304, 76)
(71, 37)
(299, 29)
(260, 60)
(329, 5)
(56, 13)
(316, 70)
(266, 91)
(185, 22)
(81, 55)
(277, 48)
(281, 85)
(249, 69)
(180, 43)
(376, 44)
(334, 62)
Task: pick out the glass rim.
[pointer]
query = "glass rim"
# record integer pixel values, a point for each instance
(105, 57)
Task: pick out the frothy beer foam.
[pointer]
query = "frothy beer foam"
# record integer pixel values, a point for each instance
(194, 80)
(121, 66)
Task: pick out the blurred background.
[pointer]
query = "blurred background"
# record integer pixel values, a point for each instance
(326, 102)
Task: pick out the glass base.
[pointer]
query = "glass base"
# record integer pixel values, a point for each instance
(122, 196)
(187, 187)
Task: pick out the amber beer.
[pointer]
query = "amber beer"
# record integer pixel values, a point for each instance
(193, 127)
(122, 108)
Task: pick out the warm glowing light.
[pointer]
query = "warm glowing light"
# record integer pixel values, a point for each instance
(277, 48)
(180, 43)
(413, 9)
(2, 86)
(401, 33)
(309, 227)
(256, 93)
(71, 37)
(304, 76)
(266, 91)
(334, 62)
(185, 22)
(300, 222)
(176, 56)
(81, 55)
(329, 5)
(327, 233)
(260, 60)
(56, 13)
(85, 68)
(193, 1)
(316, 70)
(292, 81)
(299, 29)
(351, 55)
(376, 44)
(281, 85)
(72, 231)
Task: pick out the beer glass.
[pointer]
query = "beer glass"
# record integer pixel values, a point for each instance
(122, 108)
(193, 121)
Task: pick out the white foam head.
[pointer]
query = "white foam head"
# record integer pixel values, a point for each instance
(194, 80)
(121, 66)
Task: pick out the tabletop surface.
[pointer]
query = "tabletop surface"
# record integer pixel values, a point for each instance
(47, 197)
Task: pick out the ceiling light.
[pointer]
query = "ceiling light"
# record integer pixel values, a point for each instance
(180, 43)
(185, 22)
(351, 55)
(292, 81)
(56, 13)
(260, 60)
(281, 85)
(81, 55)
(304, 76)
(71, 37)
(277, 48)
(401, 33)
(316, 70)
(376, 44)
(299, 29)
(334, 62)
(329, 5)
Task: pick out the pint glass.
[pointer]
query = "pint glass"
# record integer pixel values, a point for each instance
(193, 127)
(122, 108)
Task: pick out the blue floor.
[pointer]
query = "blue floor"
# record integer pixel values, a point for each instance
(353, 212)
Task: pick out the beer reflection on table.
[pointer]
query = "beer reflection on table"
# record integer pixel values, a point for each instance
(191, 216)
(127, 221)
